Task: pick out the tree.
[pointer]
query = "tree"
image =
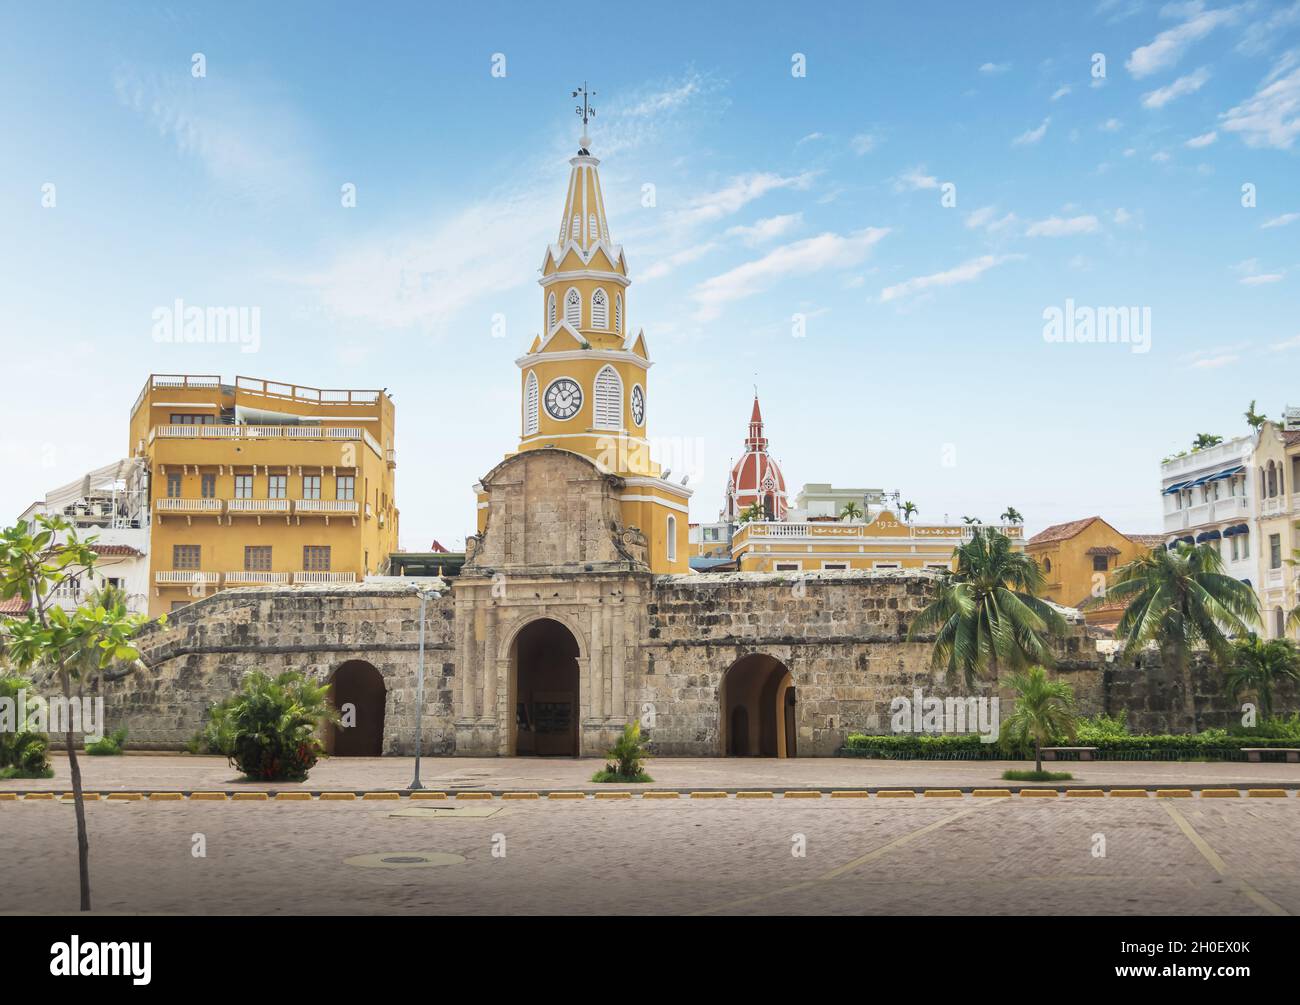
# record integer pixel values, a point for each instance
(1012, 515)
(851, 511)
(909, 511)
(1204, 440)
(34, 560)
(1293, 618)
(1259, 665)
(986, 616)
(1254, 419)
(1044, 710)
(971, 521)
(1178, 598)
(752, 512)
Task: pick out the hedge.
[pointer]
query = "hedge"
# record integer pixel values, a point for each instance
(1211, 745)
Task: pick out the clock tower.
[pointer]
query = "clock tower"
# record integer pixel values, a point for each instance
(583, 382)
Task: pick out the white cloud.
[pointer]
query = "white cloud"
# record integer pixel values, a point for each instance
(986, 218)
(966, 272)
(1280, 221)
(863, 143)
(813, 254)
(1060, 92)
(1121, 216)
(1214, 362)
(738, 193)
(1204, 140)
(915, 179)
(1032, 136)
(1110, 126)
(1056, 226)
(995, 68)
(811, 138)
(1168, 47)
(1188, 84)
(1271, 116)
(1261, 279)
(665, 264)
(1286, 344)
(768, 229)
(1160, 156)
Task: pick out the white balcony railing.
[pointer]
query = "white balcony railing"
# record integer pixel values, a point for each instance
(170, 505)
(246, 578)
(185, 577)
(257, 506)
(251, 432)
(1276, 506)
(329, 507)
(1274, 579)
(301, 578)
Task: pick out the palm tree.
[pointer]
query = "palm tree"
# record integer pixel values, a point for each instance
(1293, 618)
(986, 615)
(1044, 710)
(970, 521)
(1254, 419)
(1204, 440)
(851, 511)
(1259, 665)
(1178, 598)
(752, 512)
(909, 511)
(1012, 515)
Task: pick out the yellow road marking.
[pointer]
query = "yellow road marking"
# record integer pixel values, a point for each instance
(1217, 863)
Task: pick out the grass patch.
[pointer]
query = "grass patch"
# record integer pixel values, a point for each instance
(1013, 775)
(605, 775)
(13, 771)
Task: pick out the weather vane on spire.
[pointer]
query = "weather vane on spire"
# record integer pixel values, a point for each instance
(587, 113)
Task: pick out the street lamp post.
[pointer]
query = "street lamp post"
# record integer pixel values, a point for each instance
(419, 689)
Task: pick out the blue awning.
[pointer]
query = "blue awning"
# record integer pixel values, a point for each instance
(1175, 487)
(1227, 474)
(1209, 535)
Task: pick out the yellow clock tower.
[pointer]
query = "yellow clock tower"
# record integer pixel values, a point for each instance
(583, 382)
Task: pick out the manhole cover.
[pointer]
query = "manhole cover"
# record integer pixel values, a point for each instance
(404, 860)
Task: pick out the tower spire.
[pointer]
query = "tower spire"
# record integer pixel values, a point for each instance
(587, 112)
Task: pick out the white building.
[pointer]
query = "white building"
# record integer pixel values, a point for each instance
(818, 499)
(110, 505)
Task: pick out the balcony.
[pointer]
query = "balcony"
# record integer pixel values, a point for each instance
(1276, 506)
(190, 506)
(251, 432)
(332, 507)
(257, 506)
(1274, 579)
(186, 577)
(306, 578)
(247, 578)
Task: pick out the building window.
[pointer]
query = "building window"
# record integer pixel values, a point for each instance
(550, 314)
(311, 486)
(886, 565)
(277, 487)
(599, 310)
(316, 558)
(345, 487)
(192, 420)
(835, 566)
(186, 556)
(594, 230)
(1275, 551)
(1100, 563)
(618, 313)
(257, 558)
(1245, 544)
(173, 486)
(577, 227)
(786, 567)
(243, 486)
(1235, 549)
(672, 539)
(178, 604)
(208, 486)
(530, 404)
(1047, 564)
(609, 399)
(573, 309)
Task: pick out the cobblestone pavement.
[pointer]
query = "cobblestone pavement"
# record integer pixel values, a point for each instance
(863, 856)
(175, 771)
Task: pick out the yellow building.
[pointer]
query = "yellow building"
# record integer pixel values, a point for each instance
(1275, 467)
(881, 542)
(584, 383)
(262, 482)
(1078, 558)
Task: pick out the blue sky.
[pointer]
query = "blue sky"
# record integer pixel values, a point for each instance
(923, 366)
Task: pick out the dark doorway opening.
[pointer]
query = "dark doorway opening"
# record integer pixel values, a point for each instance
(359, 695)
(758, 708)
(545, 691)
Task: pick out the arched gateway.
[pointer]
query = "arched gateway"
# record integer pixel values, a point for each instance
(758, 708)
(357, 691)
(544, 690)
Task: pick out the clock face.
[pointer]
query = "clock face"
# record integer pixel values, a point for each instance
(563, 398)
(638, 405)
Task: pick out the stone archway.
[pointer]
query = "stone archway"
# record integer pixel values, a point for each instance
(758, 708)
(357, 691)
(545, 690)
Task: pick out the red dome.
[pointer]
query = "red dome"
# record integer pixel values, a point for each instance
(757, 477)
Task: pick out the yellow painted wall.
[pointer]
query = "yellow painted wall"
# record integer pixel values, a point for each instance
(1070, 579)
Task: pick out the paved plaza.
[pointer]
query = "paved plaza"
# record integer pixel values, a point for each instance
(820, 855)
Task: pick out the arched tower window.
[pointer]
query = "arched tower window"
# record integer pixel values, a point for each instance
(609, 399)
(573, 308)
(599, 310)
(672, 539)
(595, 233)
(550, 314)
(577, 227)
(618, 313)
(530, 404)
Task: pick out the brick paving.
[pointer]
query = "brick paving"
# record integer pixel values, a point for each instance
(863, 856)
(175, 771)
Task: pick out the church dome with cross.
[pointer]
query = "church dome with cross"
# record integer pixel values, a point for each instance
(756, 478)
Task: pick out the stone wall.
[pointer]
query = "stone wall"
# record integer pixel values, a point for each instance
(657, 648)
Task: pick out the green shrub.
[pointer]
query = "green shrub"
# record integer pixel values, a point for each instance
(23, 753)
(199, 744)
(107, 746)
(268, 728)
(1013, 775)
(627, 754)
